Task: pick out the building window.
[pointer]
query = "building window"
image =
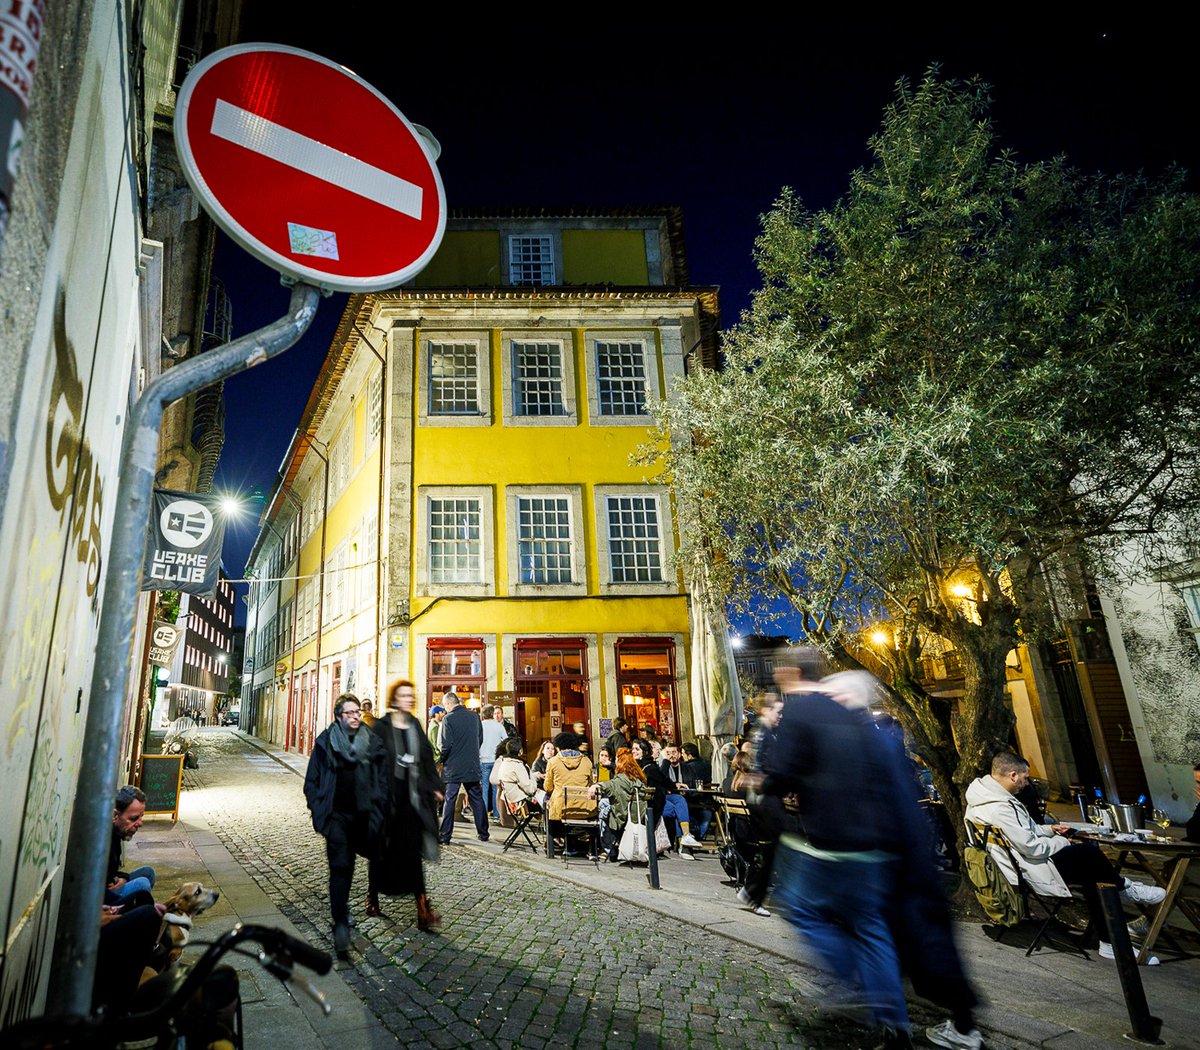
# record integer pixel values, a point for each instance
(453, 379)
(621, 378)
(634, 540)
(545, 551)
(455, 554)
(374, 404)
(455, 541)
(538, 379)
(531, 259)
(460, 664)
(544, 539)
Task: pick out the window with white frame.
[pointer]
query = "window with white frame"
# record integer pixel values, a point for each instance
(531, 259)
(635, 549)
(621, 378)
(537, 382)
(453, 378)
(455, 548)
(544, 553)
(374, 404)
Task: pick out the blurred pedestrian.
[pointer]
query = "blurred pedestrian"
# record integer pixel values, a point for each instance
(836, 883)
(346, 789)
(410, 828)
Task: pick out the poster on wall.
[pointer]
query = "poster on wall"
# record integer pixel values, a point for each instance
(555, 721)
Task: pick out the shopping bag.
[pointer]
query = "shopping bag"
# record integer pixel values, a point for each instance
(633, 844)
(662, 841)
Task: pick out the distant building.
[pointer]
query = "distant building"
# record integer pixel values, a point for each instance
(203, 664)
(754, 658)
(521, 555)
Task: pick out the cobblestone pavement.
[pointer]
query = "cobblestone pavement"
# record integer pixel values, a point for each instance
(523, 960)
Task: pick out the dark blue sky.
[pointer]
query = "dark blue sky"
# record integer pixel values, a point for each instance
(711, 116)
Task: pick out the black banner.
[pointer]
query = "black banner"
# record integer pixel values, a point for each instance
(184, 552)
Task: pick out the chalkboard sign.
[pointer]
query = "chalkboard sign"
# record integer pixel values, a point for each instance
(162, 777)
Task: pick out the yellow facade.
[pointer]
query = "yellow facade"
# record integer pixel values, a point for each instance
(525, 558)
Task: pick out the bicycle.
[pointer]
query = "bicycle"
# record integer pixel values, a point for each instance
(192, 1007)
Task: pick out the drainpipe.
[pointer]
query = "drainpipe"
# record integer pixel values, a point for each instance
(312, 714)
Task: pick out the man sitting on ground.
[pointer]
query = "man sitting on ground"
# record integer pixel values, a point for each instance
(123, 887)
(1049, 861)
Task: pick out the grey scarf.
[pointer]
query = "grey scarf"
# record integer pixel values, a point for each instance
(354, 751)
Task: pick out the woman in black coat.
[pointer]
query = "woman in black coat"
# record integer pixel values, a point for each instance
(410, 825)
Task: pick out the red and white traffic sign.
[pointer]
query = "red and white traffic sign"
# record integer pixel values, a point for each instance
(309, 168)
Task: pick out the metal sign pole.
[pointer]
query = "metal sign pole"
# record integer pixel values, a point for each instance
(78, 934)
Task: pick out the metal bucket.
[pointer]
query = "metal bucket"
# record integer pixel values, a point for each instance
(1125, 819)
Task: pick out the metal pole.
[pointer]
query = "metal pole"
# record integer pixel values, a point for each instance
(1145, 1026)
(651, 848)
(312, 714)
(78, 933)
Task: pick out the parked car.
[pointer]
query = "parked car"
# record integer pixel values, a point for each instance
(231, 717)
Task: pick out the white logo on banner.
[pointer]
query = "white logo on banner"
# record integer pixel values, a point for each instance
(185, 523)
(164, 636)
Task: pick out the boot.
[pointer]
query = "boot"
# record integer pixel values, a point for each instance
(427, 918)
(372, 910)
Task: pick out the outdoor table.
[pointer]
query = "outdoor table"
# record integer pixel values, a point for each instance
(1143, 855)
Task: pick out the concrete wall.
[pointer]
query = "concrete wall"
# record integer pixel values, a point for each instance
(70, 285)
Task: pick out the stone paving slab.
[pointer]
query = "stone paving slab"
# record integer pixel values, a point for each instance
(534, 953)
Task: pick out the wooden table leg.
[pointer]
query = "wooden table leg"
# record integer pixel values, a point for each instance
(1164, 908)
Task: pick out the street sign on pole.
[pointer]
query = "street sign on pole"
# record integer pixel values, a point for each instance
(309, 168)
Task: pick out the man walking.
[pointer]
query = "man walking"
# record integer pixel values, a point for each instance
(837, 882)
(459, 741)
(347, 788)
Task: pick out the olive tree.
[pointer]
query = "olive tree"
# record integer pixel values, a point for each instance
(966, 368)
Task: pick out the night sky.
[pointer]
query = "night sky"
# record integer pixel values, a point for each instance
(713, 117)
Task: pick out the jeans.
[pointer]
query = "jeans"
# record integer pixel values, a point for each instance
(839, 907)
(490, 794)
(676, 807)
(475, 797)
(141, 880)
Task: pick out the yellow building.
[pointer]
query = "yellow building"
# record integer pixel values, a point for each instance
(521, 555)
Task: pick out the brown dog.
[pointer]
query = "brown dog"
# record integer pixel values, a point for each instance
(189, 900)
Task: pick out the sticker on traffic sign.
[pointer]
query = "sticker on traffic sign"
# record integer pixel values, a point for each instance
(309, 168)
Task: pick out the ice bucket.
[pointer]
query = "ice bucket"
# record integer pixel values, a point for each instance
(1125, 819)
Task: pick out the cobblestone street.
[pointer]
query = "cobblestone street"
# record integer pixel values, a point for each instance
(523, 958)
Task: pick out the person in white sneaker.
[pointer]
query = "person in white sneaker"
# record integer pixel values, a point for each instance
(1049, 860)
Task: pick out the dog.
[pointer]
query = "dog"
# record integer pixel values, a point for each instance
(188, 901)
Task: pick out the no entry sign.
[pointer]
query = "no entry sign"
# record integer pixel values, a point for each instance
(309, 168)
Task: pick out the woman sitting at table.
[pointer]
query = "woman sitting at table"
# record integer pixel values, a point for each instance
(511, 776)
(667, 803)
(619, 792)
(546, 752)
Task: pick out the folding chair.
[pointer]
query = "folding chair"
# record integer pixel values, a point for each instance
(982, 835)
(524, 817)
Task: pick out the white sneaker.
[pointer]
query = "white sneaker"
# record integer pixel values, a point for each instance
(744, 897)
(758, 909)
(1140, 893)
(1106, 952)
(946, 1034)
(690, 840)
(685, 856)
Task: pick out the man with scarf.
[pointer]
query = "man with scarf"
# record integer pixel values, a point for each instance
(347, 788)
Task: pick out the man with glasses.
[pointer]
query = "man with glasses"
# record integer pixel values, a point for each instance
(346, 787)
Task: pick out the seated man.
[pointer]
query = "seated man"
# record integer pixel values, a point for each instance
(1049, 861)
(122, 887)
(698, 773)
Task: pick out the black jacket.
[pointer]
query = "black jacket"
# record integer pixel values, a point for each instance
(459, 741)
(320, 782)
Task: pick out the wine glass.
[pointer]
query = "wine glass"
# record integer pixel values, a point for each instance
(1160, 818)
(1096, 814)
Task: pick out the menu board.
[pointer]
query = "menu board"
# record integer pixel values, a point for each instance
(162, 778)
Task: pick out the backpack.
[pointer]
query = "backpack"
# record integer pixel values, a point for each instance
(998, 897)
